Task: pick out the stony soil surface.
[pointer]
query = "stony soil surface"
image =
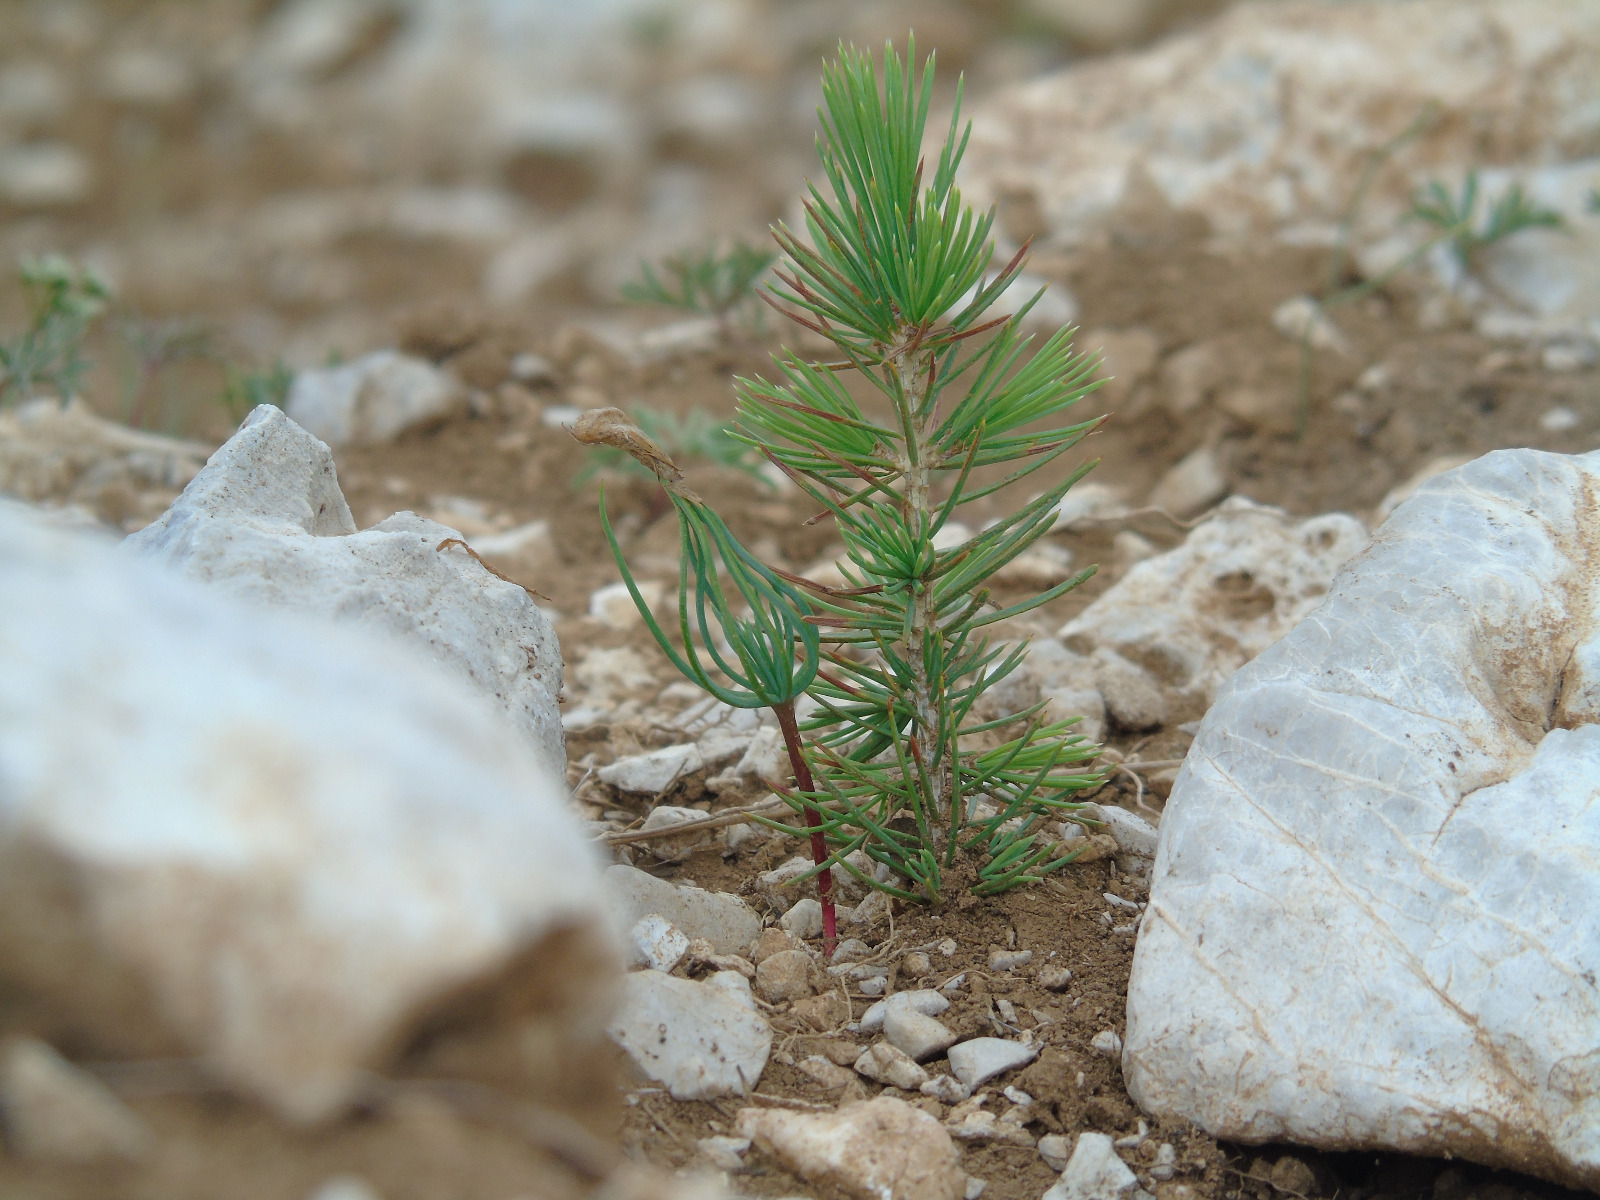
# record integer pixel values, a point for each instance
(1401, 397)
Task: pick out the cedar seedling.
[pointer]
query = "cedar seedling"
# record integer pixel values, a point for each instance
(901, 767)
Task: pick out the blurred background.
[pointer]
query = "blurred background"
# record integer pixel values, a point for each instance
(263, 182)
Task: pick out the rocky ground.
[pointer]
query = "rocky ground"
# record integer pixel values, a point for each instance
(274, 178)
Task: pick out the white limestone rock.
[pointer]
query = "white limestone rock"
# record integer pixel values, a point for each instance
(977, 1061)
(890, 1065)
(699, 1040)
(1192, 484)
(923, 1000)
(882, 1149)
(653, 771)
(1261, 120)
(721, 918)
(263, 815)
(265, 521)
(917, 1036)
(1384, 838)
(1191, 617)
(657, 943)
(1094, 1172)
(373, 399)
(53, 1111)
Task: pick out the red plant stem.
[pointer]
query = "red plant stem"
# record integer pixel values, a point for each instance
(819, 845)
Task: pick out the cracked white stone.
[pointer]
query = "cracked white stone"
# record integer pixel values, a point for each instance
(977, 1061)
(701, 1040)
(1384, 837)
(889, 1064)
(652, 772)
(1094, 1172)
(924, 1000)
(266, 522)
(1189, 618)
(657, 943)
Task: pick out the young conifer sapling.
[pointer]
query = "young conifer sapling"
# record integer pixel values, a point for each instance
(902, 779)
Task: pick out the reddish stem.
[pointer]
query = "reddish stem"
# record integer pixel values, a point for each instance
(819, 845)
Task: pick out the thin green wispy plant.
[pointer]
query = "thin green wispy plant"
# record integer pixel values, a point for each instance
(64, 301)
(905, 766)
(718, 282)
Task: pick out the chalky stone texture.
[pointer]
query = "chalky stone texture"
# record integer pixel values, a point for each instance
(881, 1149)
(1372, 916)
(701, 1040)
(276, 842)
(265, 521)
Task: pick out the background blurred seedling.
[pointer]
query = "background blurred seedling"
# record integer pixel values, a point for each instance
(246, 389)
(1454, 221)
(64, 301)
(153, 347)
(718, 283)
(906, 781)
(1454, 218)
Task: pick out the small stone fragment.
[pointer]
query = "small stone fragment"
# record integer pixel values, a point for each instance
(830, 1075)
(1055, 1150)
(823, 1012)
(722, 919)
(882, 1149)
(1133, 699)
(887, 1064)
(975, 1188)
(948, 947)
(345, 1187)
(1289, 1174)
(724, 1153)
(1133, 834)
(1094, 1172)
(1166, 1163)
(1054, 979)
(981, 1059)
(373, 398)
(837, 1051)
(53, 1111)
(657, 943)
(916, 965)
(923, 1000)
(653, 772)
(773, 940)
(804, 919)
(701, 1040)
(919, 1037)
(1009, 960)
(851, 950)
(1194, 483)
(1107, 1044)
(946, 1089)
(784, 976)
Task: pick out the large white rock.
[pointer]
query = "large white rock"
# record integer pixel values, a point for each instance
(1263, 119)
(1194, 615)
(1372, 916)
(265, 521)
(273, 841)
(373, 398)
(701, 1040)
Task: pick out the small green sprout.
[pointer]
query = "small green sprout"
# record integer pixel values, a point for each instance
(63, 303)
(1455, 217)
(246, 389)
(716, 283)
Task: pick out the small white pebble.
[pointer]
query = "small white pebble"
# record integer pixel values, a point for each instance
(1017, 1096)
(1558, 420)
(975, 1187)
(1054, 979)
(1107, 1042)
(1008, 1010)
(954, 984)
(1009, 960)
(948, 947)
